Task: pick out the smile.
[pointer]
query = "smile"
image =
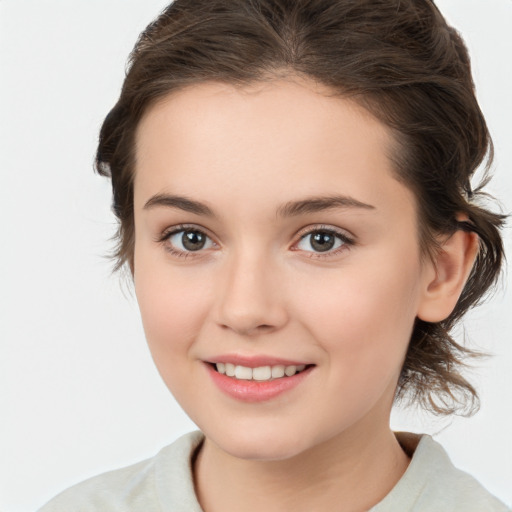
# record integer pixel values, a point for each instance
(258, 382)
(261, 373)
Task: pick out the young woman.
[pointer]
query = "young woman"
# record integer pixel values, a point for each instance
(292, 181)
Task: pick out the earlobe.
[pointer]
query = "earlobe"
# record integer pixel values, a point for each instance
(447, 275)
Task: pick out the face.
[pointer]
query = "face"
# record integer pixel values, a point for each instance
(272, 238)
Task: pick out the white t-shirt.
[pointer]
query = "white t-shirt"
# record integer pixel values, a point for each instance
(164, 483)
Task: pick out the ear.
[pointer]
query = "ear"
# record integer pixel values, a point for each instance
(446, 276)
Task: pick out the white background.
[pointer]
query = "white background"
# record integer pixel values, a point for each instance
(78, 391)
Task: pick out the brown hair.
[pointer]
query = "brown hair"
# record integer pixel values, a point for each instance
(397, 58)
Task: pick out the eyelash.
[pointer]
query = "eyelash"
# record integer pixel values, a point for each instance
(347, 241)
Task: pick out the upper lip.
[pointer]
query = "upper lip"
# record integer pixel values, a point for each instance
(255, 361)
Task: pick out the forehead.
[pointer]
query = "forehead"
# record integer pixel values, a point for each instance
(267, 140)
(294, 110)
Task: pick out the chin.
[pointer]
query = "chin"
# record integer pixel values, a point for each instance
(265, 443)
(262, 449)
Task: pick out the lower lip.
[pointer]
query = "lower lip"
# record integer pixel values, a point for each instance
(253, 390)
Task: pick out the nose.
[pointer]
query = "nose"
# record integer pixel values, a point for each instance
(251, 299)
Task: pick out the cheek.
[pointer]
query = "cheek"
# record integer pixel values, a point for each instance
(362, 318)
(173, 306)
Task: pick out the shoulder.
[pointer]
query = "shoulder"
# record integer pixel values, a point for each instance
(432, 483)
(148, 486)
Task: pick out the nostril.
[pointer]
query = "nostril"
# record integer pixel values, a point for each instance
(248, 330)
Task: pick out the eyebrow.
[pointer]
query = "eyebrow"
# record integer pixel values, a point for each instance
(290, 209)
(179, 202)
(318, 204)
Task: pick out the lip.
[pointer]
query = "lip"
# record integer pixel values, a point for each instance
(256, 391)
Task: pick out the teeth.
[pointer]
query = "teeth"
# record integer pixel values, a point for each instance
(243, 373)
(290, 370)
(261, 373)
(277, 371)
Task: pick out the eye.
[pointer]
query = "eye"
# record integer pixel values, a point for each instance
(186, 240)
(323, 241)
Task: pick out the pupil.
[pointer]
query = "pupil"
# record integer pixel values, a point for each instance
(322, 242)
(193, 240)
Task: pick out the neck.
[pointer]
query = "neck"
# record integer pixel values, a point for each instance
(352, 471)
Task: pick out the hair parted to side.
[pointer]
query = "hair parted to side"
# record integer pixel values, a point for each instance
(397, 58)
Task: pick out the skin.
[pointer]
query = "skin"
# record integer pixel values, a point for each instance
(259, 287)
